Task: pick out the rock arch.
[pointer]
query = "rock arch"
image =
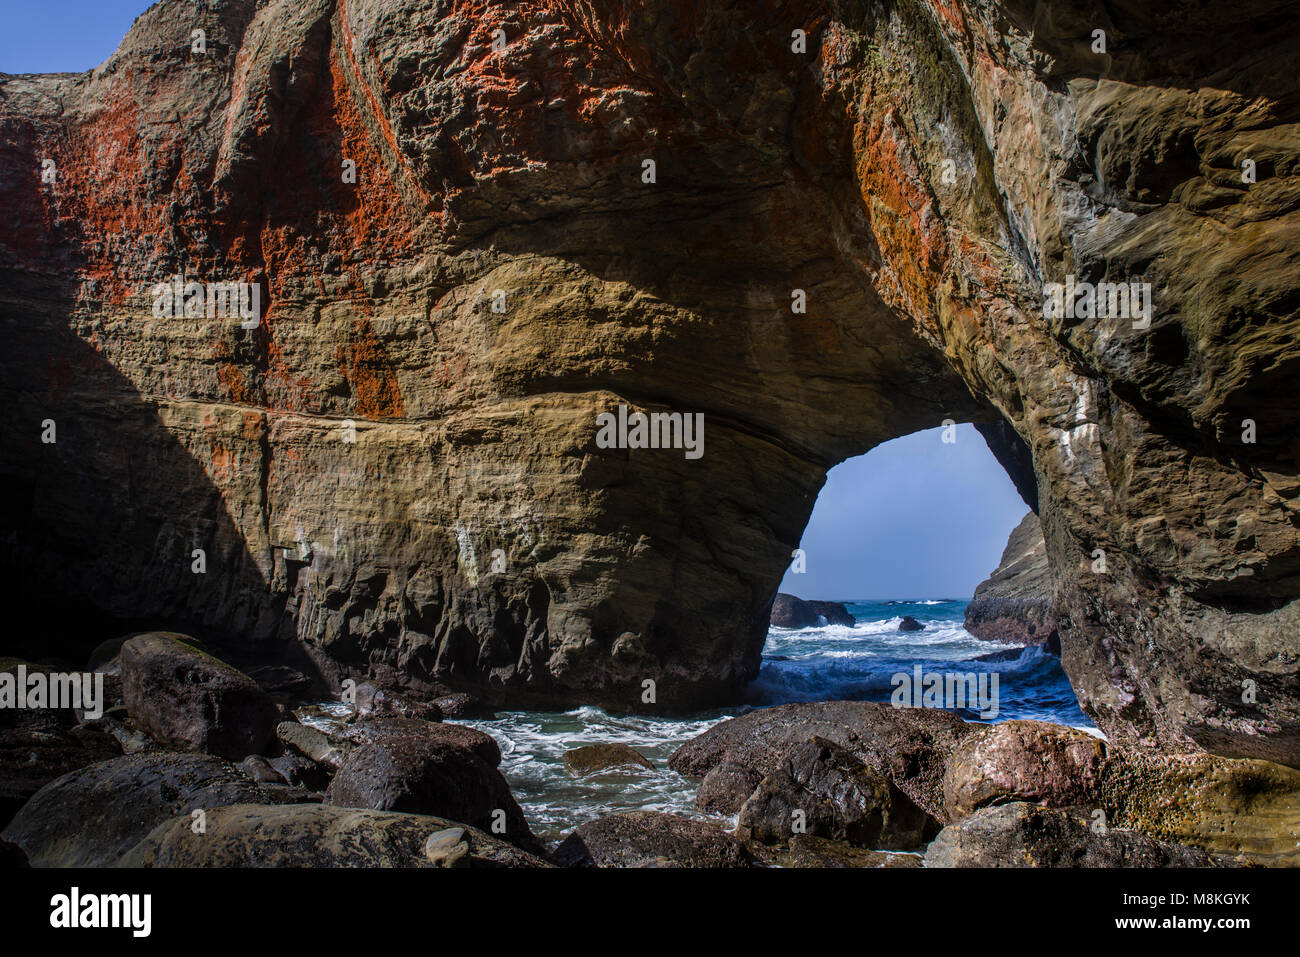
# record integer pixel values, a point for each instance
(921, 172)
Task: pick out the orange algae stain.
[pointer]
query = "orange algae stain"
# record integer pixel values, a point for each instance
(253, 426)
(231, 378)
(376, 109)
(364, 362)
(951, 14)
(225, 465)
(105, 201)
(903, 216)
(376, 214)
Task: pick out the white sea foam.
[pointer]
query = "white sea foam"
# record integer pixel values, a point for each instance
(826, 662)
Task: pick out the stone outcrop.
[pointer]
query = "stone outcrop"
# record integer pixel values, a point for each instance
(396, 468)
(1014, 604)
(1244, 810)
(1032, 761)
(791, 612)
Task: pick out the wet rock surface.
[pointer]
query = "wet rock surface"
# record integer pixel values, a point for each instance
(313, 835)
(599, 757)
(1025, 835)
(1031, 761)
(651, 839)
(428, 768)
(908, 747)
(823, 790)
(91, 817)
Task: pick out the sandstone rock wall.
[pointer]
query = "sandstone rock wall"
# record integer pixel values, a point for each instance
(920, 172)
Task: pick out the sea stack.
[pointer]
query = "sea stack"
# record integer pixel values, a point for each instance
(791, 612)
(1014, 604)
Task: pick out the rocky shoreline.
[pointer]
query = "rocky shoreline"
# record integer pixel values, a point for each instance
(192, 763)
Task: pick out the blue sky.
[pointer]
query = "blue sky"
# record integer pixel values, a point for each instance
(64, 36)
(913, 518)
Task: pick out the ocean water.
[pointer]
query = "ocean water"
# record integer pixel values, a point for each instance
(824, 663)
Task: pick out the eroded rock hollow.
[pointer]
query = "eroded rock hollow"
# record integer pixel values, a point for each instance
(396, 467)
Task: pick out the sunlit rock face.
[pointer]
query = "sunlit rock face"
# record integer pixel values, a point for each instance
(397, 467)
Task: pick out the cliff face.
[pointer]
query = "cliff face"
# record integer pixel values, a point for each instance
(397, 467)
(1015, 603)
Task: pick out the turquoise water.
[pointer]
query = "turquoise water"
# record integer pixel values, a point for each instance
(829, 662)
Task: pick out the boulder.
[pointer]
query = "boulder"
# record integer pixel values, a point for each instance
(1014, 604)
(313, 743)
(259, 770)
(18, 673)
(1030, 761)
(823, 790)
(457, 735)
(791, 612)
(371, 699)
(431, 772)
(92, 816)
(104, 656)
(908, 746)
(281, 680)
(650, 839)
(314, 835)
(187, 699)
(299, 771)
(908, 623)
(1026, 835)
(460, 704)
(599, 757)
